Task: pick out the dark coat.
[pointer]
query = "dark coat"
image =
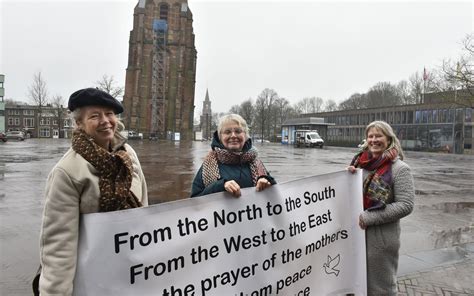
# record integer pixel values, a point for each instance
(240, 173)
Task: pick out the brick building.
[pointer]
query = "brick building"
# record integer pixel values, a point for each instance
(51, 122)
(161, 71)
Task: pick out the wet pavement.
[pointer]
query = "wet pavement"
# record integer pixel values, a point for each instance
(437, 238)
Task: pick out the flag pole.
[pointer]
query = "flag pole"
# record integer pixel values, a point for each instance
(425, 76)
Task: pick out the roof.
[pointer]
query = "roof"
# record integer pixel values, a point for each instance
(306, 121)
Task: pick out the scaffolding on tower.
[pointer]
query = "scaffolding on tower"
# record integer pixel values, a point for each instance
(158, 86)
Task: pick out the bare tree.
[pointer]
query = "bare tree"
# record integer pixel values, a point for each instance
(317, 104)
(57, 102)
(460, 73)
(383, 94)
(309, 105)
(247, 111)
(263, 107)
(235, 109)
(330, 105)
(107, 84)
(415, 83)
(355, 101)
(37, 91)
(283, 111)
(404, 93)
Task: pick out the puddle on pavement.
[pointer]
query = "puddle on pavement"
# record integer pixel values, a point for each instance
(452, 237)
(454, 207)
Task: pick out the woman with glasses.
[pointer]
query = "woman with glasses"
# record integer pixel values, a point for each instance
(232, 163)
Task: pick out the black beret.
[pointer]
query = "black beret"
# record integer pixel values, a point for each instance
(93, 97)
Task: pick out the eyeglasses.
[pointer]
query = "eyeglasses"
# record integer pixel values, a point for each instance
(229, 131)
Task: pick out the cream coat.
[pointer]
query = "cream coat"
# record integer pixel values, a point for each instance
(72, 189)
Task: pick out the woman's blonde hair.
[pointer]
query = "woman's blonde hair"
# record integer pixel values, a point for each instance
(236, 118)
(387, 130)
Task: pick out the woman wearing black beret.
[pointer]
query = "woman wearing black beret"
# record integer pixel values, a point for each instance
(99, 173)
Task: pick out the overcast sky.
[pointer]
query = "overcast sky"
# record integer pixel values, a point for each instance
(300, 49)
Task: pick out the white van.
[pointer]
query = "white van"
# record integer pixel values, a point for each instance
(308, 138)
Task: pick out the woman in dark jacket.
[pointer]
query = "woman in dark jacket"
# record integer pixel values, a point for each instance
(232, 163)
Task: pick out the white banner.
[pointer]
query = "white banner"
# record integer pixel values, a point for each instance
(297, 238)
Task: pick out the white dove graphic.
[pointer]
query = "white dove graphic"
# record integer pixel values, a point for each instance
(330, 266)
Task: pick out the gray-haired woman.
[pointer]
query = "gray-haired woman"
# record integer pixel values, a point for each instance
(99, 173)
(388, 196)
(232, 163)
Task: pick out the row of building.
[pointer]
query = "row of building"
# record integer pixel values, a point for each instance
(443, 122)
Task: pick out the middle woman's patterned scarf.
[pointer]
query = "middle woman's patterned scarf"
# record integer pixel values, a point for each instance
(210, 168)
(378, 184)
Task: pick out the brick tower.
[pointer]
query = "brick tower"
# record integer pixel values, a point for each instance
(161, 71)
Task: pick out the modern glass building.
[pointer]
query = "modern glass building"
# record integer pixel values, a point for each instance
(2, 103)
(442, 123)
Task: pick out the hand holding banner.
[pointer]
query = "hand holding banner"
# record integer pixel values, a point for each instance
(297, 238)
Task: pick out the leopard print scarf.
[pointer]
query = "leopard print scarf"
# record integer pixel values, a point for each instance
(115, 173)
(210, 168)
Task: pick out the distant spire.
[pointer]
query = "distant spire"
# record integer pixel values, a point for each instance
(207, 96)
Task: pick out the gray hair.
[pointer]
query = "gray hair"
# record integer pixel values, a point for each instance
(387, 130)
(76, 116)
(235, 118)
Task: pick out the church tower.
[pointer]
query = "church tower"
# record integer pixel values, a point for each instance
(161, 72)
(206, 118)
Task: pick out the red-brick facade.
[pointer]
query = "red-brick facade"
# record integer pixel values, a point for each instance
(161, 72)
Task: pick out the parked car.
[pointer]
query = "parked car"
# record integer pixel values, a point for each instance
(259, 140)
(15, 135)
(3, 137)
(361, 144)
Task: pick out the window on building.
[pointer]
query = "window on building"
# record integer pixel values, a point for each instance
(418, 116)
(44, 132)
(435, 116)
(468, 137)
(450, 115)
(443, 116)
(164, 11)
(45, 121)
(430, 116)
(421, 137)
(10, 121)
(55, 122)
(28, 112)
(16, 121)
(29, 122)
(66, 123)
(468, 115)
(424, 116)
(459, 115)
(410, 137)
(410, 117)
